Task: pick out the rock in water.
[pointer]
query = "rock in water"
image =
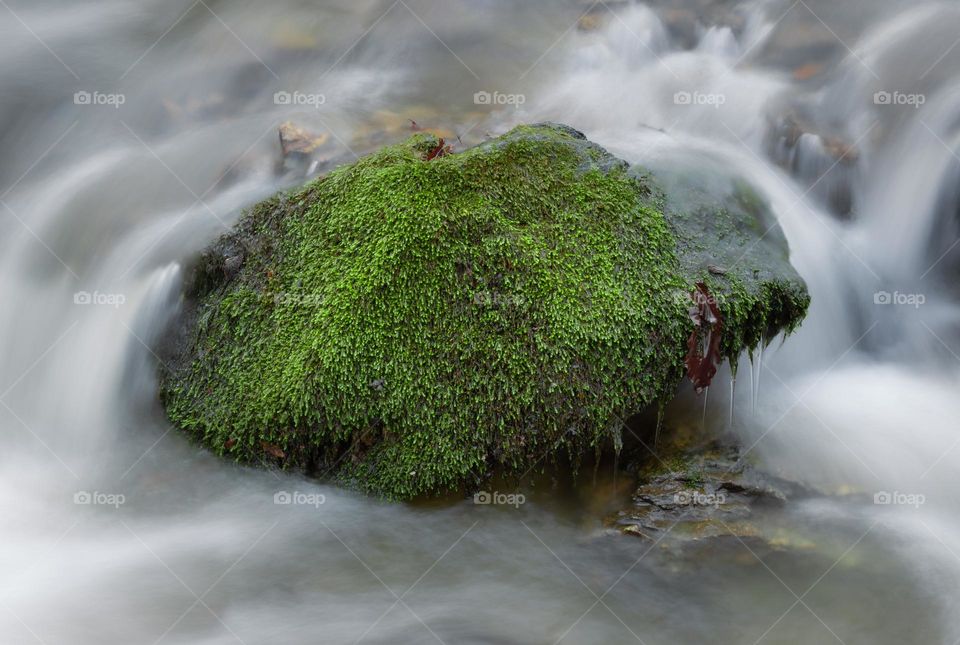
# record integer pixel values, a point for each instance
(294, 140)
(411, 326)
(704, 492)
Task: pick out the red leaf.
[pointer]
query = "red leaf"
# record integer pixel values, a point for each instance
(703, 346)
(229, 443)
(441, 150)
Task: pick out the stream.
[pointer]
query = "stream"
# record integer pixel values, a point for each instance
(134, 133)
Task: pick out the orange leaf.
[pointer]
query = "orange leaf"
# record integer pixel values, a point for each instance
(808, 71)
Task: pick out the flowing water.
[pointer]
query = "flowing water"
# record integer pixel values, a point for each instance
(134, 132)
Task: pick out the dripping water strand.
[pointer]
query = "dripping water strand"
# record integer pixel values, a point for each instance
(703, 417)
(733, 396)
(756, 381)
(656, 436)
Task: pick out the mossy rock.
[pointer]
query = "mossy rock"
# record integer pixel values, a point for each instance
(410, 326)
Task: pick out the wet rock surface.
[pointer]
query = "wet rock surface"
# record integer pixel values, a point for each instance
(303, 340)
(709, 492)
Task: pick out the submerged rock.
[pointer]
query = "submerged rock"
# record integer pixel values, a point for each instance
(827, 163)
(295, 140)
(411, 323)
(707, 492)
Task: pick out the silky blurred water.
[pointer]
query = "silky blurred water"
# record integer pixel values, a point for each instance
(133, 133)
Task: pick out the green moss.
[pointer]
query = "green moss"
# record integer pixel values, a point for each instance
(411, 326)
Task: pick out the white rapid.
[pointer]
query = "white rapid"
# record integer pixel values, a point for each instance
(117, 530)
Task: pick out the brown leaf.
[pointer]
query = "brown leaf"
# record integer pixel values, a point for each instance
(808, 71)
(272, 450)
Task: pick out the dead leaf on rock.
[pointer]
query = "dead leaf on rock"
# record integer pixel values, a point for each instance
(272, 450)
(703, 346)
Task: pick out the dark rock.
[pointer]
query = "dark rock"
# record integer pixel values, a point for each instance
(704, 493)
(518, 297)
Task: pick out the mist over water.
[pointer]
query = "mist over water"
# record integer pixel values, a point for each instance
(117, 529)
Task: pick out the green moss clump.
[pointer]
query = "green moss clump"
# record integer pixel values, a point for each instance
(411, 326)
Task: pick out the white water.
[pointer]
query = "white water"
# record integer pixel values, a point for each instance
(860, 401)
